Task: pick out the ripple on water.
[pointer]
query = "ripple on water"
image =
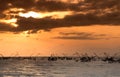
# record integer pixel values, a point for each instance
(26, 68)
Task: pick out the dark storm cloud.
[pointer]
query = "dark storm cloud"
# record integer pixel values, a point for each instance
(80, 36)
(5, 27)
(2, 16)
(48, 23)
(45, 5)
(95, 12)
(26, 4)
(86, 5)
(42, 5)
(68, 21)
(54, 5)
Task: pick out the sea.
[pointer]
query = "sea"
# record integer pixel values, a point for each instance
(61, 68)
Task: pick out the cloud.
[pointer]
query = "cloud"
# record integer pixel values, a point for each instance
(54, 5)
(6, 4)
(42, 5)
(5, 27)
(76, 38)
(86, 5)
(85, 13)
(75, 33)
(68, 21)
(50, 5)
(80, 36)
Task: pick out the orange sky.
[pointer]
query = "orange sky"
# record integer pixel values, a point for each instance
(32, 27)
(45, 43)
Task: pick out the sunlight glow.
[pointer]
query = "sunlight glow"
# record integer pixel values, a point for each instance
(10, 21)
(30, 14)
(53, 15)
(12, 12)
(25, 34)
(70, 1)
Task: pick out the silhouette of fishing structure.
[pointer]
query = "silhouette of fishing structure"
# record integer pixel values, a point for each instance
(75, 57)
(52, 58)
(110, 59)
(86, 58)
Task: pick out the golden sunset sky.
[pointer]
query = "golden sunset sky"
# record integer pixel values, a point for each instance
(44, 27)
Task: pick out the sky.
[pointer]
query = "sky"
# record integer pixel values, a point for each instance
(59, 27)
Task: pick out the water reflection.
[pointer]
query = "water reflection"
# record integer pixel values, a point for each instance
(45, 68)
